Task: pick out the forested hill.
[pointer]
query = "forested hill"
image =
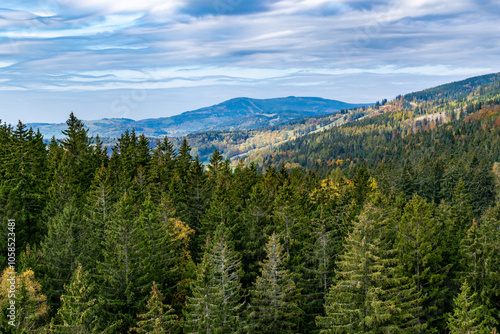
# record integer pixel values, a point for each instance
(234, 114)
(403, 202)
(259, 143)
(399, 132)
(454, 90)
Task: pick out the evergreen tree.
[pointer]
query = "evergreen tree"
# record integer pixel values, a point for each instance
(289, 211)
(480, 260)
(330, 223)
(97, 210)
(481, 185)
(420, 247)
(160, 318)
(361, 183)
(162, 168)
(222, 205)
(60, 250)
(79, 311)
(165, 250)
(23, 195)
(255, 224)
(123, 262)
(457, 218)
(199, 196)
(179, 186)
(369, 294)
(76, 166)
(468, 315)
(216, 303)
(274, 303)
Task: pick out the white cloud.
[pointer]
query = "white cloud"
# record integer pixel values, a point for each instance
(114, 6)
(6, 63)
(110, 23)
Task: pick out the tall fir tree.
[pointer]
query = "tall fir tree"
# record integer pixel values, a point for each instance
(162, 168)
(420, 247)
(469, 316)
(216, 303)
(79, 311)
(255, 223)
(369, 295)
(159, 318)
(23, 185)
(98, 207)
(75, 168)
(165, 249)
(61, 250)
(274, 303)
(480, 260)
(122, 266)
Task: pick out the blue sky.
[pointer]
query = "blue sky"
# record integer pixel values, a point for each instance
(155, 58)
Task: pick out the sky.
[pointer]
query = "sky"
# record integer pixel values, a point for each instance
(157, 58)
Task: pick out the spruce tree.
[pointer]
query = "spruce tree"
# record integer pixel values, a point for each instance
(222, 205)
(216, 303)
(76, 166)
(199, 197)
(457, 218)
(159, 318)
(274, 304)
(23, 185)
(420, 247)
(162, 168)
(369, 295)
(165, 248)
(98, 207)
(255, 224)
(60, 250)
(79, 311)
(179, 194)
(480, 260)
(469, 316)
(123, 262)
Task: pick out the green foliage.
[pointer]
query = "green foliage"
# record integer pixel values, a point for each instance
(369, 294)
(23, 185)
(61, 250)
(453, 90)
(468, 316)
(80, 307)
(160, 318)
(480, 260)
(420, 247)
(274, 307)
(216, 302)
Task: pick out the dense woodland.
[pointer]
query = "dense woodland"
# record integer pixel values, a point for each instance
(390, 225)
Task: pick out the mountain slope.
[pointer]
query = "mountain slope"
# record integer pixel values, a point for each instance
(388, 134)
(307, 141)
(453, 90)
(234, 114)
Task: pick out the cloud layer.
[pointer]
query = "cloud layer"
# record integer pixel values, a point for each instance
(56, 54)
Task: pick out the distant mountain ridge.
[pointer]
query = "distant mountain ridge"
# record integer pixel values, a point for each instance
(453, 90)
(235, 114)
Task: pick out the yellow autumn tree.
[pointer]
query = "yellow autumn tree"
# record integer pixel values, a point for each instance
(30, 304)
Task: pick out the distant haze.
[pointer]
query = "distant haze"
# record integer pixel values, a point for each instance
(234, 114)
